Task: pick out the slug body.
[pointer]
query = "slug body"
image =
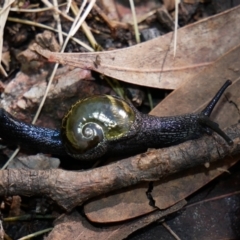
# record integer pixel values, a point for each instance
(101, 125)
(29, 136)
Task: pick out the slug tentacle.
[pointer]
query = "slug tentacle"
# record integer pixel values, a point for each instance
(205, 114)
(101, 125)
(205, 121)
(208, 110)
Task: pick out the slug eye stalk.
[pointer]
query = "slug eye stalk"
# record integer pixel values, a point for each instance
(209, 108)
(205, 114)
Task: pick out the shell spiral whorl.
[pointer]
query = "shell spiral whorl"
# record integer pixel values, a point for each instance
(94, 121)
(90, 130)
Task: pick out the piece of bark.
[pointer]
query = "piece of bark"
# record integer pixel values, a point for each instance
(70, 189)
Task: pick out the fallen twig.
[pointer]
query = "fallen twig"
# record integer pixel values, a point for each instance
(70, 189)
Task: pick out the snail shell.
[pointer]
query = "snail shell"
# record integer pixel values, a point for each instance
(92, 122)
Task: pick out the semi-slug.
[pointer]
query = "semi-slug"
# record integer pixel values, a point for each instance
(104, 124)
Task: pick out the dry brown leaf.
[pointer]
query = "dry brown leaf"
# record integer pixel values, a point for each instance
(166, 193)
(37, 162)
(107, 208)
(74, 226)
(152, 63)
(197, 91)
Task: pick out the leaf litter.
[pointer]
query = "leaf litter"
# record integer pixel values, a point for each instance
(177, 70)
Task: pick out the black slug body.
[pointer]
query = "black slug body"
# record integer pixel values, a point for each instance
(102, 125)
(174, 130)
(29, 136)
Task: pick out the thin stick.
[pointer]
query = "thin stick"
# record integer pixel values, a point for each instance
(137, 35)
(36, 234)
(85, 27)
(175, 27)
(59, 25)
(3, 19)
(34, 10)
(69, 3)
(49, 28)
(71, 31)
(14, 154)
(3, 71)
(171, 231)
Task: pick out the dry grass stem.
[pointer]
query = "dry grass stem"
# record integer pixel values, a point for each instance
(175, 27)
(3, 19)
(135, 25)
(31, 23)
(85, 27)
(59, 25)
(14, 154)
(171, 231)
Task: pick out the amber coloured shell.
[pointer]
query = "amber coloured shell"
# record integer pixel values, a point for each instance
(95, 119)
